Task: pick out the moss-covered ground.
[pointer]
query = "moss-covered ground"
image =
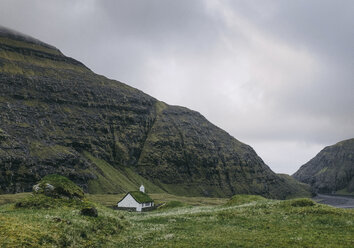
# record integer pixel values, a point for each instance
(242, 222)
(57, 227)
(63, 187)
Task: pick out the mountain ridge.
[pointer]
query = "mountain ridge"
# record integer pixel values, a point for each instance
(57, 116)
(13, 34)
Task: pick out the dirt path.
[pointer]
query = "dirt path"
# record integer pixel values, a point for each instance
(335, 201)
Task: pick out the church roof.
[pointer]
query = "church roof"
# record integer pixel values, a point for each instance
(139, 196)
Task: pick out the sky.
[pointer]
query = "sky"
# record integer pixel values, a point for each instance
(275, 74)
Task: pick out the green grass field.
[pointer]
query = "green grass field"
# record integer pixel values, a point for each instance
(110, 200)
(245, 221)
(12, 198)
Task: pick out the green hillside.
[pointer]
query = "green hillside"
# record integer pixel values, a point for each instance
(300, 189)
(331, 170)
(58, 117)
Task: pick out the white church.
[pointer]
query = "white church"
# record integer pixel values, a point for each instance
(136, 200)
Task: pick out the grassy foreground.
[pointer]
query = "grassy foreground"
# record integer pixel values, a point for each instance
(245, 221)
(61, 226)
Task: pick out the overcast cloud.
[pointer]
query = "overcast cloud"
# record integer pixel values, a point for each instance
(277, 75)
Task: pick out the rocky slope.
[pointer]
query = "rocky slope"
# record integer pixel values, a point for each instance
(331, 170)
(302, 189)
(57, 116)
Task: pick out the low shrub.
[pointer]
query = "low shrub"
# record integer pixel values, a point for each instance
(89, 211)
(301, 202)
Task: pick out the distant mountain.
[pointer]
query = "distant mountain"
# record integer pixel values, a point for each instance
(58, 117)
(331, 170)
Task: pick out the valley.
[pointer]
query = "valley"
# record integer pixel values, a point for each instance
(59, 121)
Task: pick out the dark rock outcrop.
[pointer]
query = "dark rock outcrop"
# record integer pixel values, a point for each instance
(331, 170)
(89, 211)
(57, 116)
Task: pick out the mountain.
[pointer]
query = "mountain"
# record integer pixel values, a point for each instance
(301, 189)
(58, 117)
(331, 170)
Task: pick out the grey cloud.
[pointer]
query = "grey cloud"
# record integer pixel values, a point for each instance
(277, 75)
(324, 25)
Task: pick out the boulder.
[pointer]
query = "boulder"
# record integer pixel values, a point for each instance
(89, 211)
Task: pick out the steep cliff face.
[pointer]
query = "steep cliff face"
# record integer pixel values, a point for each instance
(331, 170)
(57, 116)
